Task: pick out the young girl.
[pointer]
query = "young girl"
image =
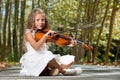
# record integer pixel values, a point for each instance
(38, 61)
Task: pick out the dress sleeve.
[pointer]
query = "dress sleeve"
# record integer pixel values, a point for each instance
(27, 30)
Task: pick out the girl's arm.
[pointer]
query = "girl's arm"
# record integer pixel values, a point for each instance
(34, 44)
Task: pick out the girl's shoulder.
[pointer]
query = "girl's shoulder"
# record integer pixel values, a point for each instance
(27, 30)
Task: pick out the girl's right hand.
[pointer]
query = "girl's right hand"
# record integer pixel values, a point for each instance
(50, 33)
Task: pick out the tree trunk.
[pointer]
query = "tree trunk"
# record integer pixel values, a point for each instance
(22, 21)
(9, 42)
(0, 27)
(3, 54)
(39, 3)
(33, 4)
(114, 10)
(77, 50)
(101, 29)
(15, 32)
(94, 12)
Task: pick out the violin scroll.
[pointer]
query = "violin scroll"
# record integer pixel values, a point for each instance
(89, 48)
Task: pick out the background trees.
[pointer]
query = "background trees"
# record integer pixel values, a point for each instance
(95, 22)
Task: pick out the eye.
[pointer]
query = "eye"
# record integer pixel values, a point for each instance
(37, 19)
(43, 20)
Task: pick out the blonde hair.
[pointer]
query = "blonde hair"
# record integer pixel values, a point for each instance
(31, 19)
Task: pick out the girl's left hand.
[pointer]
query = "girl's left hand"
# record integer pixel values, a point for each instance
(73, 43)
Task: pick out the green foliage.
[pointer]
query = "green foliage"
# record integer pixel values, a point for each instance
(63, 14)
(59, 49)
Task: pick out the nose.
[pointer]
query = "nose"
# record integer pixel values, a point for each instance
(40, 21)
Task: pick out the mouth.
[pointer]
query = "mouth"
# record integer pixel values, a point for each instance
(40, 26)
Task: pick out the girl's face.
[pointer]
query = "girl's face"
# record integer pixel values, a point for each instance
(40, 21)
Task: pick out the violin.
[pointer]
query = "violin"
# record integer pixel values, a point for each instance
(59, 39)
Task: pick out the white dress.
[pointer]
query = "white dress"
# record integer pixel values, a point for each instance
(34, 62)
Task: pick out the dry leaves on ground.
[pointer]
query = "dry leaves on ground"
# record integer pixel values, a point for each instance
(4, 65)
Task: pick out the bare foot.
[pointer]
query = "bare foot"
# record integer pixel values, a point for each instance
(66, 66)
